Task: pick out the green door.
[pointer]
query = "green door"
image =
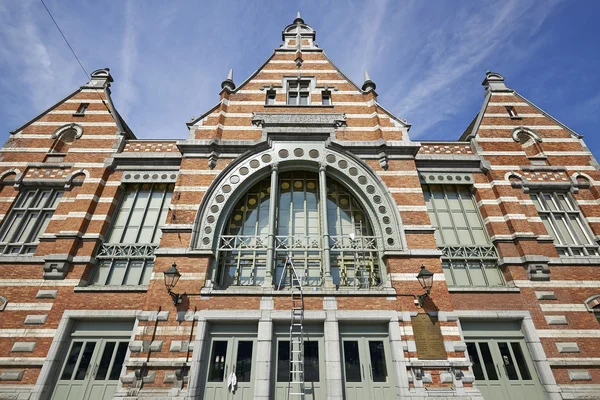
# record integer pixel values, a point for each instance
(503, 369)
(91, 369)
(366, 368)
(313, 370)
(230, 355)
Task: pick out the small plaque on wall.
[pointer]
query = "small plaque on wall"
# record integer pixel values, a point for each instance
(428, 337)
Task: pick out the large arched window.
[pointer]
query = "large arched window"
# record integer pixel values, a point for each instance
(300, 232)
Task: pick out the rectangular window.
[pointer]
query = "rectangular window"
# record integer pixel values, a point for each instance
(270, 98)
(298, 93)
(28, 220)
(469, 258)
(82, 108)
(564, 222)
(127, 256)
(512, 112)
(326, 99)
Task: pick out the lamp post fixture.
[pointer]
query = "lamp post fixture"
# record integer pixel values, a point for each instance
(172, 276)
(425, 278)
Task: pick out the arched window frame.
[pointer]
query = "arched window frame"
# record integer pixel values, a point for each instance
(359, 179)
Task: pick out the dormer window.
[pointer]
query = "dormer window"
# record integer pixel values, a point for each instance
(512, 112)
(298, 93)
(81, 109)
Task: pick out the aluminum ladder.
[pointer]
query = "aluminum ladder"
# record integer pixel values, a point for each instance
(296, 389)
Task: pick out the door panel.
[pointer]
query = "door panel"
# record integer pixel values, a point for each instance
(366, 368)
(313, 371)
(91, 369)
(228, 355)
(503, 369)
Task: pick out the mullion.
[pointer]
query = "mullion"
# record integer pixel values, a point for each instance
(464, 213)
(436, 214)
(445, 193)
(141, 226)
(159, 213)
(126, 226)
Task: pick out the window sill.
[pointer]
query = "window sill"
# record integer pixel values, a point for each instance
(299, 106)
(20, 258)
(486, 289)
(111, 288)
(263, 291)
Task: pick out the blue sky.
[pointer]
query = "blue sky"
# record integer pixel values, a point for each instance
(428, 58)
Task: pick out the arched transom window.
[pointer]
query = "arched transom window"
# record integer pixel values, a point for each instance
(310, 232)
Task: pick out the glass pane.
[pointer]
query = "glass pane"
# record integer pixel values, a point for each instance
(562, 228)
(460, 220)
(550, 202)
(42, 199)
(55, 200)
(474, 221)
(86, 358)
(493, 274)
(448, 274)
(352, 361)
(474, 356)
(26, 199)
(293, 98)
(303, 99)
(134, 275)
(488, 362)
(243, 367)
(147, 274)
(549, 228)
(378, 367)
(476, 273)
(311, 362)
(577, 228)
(119, 268)
(115, 372)
(479, 236)
(453, 201)
(105, 361)
(42, 226)
(536, 201)
(71, 361)
(460, 274)
(102, 272)
(14, 225)
(508, 362)
(464, 237)
(564, 204)
(283, 361)
(326, 100)
(26, 231)
(216, 369)
(520, 360)
(438, 197)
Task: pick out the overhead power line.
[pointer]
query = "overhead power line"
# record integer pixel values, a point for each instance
(88, 76)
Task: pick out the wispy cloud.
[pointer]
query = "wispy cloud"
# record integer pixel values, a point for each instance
(431, 90)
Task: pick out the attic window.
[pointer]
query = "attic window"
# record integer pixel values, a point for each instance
(298, 93)
(326, 98)
(512, 112)
(81, 109)
(271, 97)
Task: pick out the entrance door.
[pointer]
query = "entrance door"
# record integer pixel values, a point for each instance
(313, 371)
(367, 368)
(91, 369)
(501, 363)
(503, 369)
(229, 355)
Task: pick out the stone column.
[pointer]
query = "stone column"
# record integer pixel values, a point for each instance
(262, 376)
(325, 237)
(274, 197)
(195, 379)
(333, 361)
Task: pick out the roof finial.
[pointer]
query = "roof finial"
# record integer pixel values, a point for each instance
(228, 84)
(369, 85)
(298, 19)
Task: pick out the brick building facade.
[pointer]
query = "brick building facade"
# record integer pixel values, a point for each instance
(298, 163)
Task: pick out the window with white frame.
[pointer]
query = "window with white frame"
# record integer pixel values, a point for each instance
(28, 220)
(127, 256)
(298, 92)
(564, 222)
(469, 258)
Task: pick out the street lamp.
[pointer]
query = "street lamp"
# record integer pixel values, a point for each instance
(171, 278)
(425, 278)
